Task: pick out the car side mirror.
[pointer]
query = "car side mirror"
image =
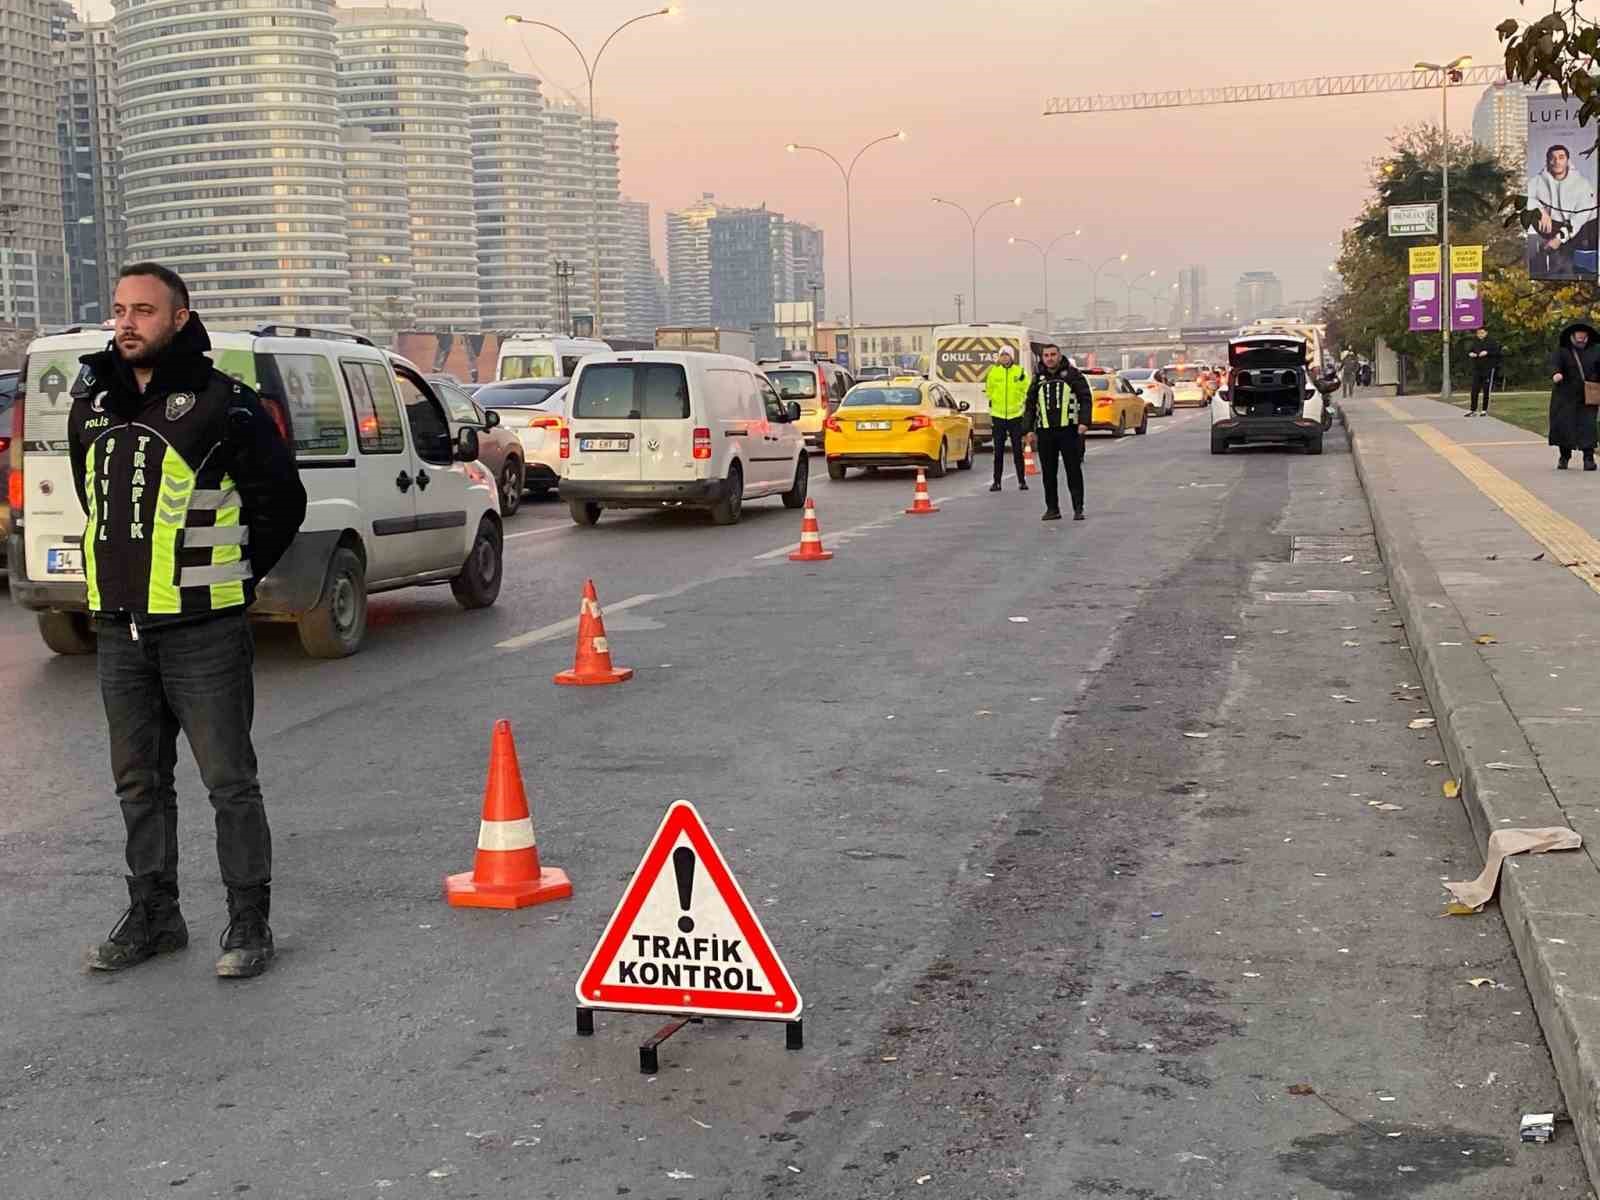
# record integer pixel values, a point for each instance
(491, 419)
(792, 410)
(963, 407)
(467, 446)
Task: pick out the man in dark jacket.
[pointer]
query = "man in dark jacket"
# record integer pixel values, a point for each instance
(192, 496)
(1572, 422)
(1485, 357)
(1057, 414)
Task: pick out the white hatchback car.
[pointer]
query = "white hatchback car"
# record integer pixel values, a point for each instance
(679, 429)
(393, 499)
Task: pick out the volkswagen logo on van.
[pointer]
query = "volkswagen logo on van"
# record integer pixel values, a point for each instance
(653, 445)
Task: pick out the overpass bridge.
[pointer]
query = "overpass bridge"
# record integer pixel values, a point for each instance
(1148, 347)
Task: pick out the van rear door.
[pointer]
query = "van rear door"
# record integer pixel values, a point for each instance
(52, 518)
(603, 416)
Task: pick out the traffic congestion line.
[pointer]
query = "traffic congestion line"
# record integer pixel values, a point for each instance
(569, 625)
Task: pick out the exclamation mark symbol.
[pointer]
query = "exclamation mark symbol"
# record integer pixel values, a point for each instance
(683, 868)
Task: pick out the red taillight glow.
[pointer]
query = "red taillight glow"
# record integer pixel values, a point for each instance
(545, 423)
(702, 443)
(832, 425)
(566, 442)
(921, 421)
(14, 481)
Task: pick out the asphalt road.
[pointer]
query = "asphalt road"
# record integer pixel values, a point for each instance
(1074, 901)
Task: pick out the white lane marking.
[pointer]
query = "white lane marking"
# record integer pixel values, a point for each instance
(545, 632)
(510, 537)
(844, 535)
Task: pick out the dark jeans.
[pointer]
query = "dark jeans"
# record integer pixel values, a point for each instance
(196, 677)
(1482, 383)
(1068, 446)
(1003, 428)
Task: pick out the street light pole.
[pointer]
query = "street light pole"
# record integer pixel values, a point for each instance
(974, 222)
(1094, 283)
(589, 69)
(846, 173)
(1044, 266)
(1449, 73)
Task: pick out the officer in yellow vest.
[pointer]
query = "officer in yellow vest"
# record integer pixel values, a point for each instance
(1007, 387)
(192, 495)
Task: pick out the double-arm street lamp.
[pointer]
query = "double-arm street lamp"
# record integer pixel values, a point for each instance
(1044, 266)
(1094, 283)
(1449, 73)
(1136, 281)
(974, 222)
(589, 68)
(849, 249)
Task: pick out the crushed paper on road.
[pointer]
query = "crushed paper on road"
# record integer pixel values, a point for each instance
(1471, 895)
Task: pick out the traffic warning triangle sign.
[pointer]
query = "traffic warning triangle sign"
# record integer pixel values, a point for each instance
(684, 938)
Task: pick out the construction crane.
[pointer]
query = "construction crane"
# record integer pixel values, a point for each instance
(1247, 93)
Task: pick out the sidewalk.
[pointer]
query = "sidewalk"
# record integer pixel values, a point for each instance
(1483, 537)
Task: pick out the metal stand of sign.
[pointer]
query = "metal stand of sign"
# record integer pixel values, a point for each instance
(649, 1061)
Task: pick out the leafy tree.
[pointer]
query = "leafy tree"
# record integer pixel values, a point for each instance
(1561, 48)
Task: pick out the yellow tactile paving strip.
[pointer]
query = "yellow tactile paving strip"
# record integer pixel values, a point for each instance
(1567, 543)
(1388, 407)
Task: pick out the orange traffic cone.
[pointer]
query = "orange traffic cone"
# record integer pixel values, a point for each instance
(922, 505)
(506, 871)
(1030, 465)
(810, 537)
(592, 665)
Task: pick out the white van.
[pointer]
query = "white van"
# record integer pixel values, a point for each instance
(543, 356)
(963, 354)
(392, 500)
(679, 429)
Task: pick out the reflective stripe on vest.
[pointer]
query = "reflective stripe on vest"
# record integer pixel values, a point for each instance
(91, 529)
(172, 509)
(227, 539)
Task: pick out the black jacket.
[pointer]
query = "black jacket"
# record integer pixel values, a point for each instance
(219, 431)
(1484, 356)
(1058, 400)
(1572, 422)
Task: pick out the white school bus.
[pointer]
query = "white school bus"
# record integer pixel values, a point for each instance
(963, 354)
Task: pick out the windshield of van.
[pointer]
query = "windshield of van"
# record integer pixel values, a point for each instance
(510, 395)
(1183, 373)
(629, 391)
(795, 385)
(896, 397)
(528, 366)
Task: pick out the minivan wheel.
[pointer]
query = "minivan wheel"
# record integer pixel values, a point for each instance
(796, 496)
(941, 465)
(67, 632)
(511, 486)
(584, 512)
(478, 585)
(728, 510)
(336, 627)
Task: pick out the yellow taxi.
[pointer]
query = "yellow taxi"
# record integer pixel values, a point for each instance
(1118, 406)
(903, 421)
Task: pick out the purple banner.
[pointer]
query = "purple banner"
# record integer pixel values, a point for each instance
(1466, 278)
(1425, 301)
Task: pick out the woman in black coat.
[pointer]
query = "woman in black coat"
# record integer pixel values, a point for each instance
(1572, 422)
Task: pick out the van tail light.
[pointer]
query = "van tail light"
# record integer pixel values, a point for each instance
(921, 421)
(832, 424)
(545, 423)
(702, 443)
(14, 481)
(566, 442)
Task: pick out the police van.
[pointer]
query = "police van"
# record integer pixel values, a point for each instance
(393, 499)
(963, 354)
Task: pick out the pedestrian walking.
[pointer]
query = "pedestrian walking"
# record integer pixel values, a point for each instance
(1576, 361)
(1057, 415)
(1484, 355)
(1007, 388)
(1349, 371)
(192, 496)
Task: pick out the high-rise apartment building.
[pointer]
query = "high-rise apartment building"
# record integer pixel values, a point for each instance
(689, 262)
(1189, 297)
(1500, 122)
(810, 281)
(1257, 294)
(403, 75)
(33, 263)
(383, 291)
(641, 281)
(515, 282)
(86, 135)
(746, 273)
(570, 204)
(232, 168)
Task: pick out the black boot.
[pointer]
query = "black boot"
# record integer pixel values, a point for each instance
(995, 486)
(152, 925)
(1566, 457)
(247, 942)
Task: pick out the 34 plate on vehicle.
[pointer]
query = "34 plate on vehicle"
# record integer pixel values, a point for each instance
(63, 560)
(602, 443)
(872, 424)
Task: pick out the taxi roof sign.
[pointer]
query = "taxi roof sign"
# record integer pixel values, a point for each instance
(684, 938)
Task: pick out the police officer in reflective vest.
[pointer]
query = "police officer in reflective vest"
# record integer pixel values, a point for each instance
(1058, 412)
(1006, 385)
(192, 495)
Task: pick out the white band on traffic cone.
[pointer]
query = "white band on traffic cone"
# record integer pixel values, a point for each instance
(506, 835)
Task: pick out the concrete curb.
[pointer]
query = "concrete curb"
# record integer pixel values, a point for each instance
(1550, 902)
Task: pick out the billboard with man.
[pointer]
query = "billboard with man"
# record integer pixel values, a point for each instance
(1561, 191)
